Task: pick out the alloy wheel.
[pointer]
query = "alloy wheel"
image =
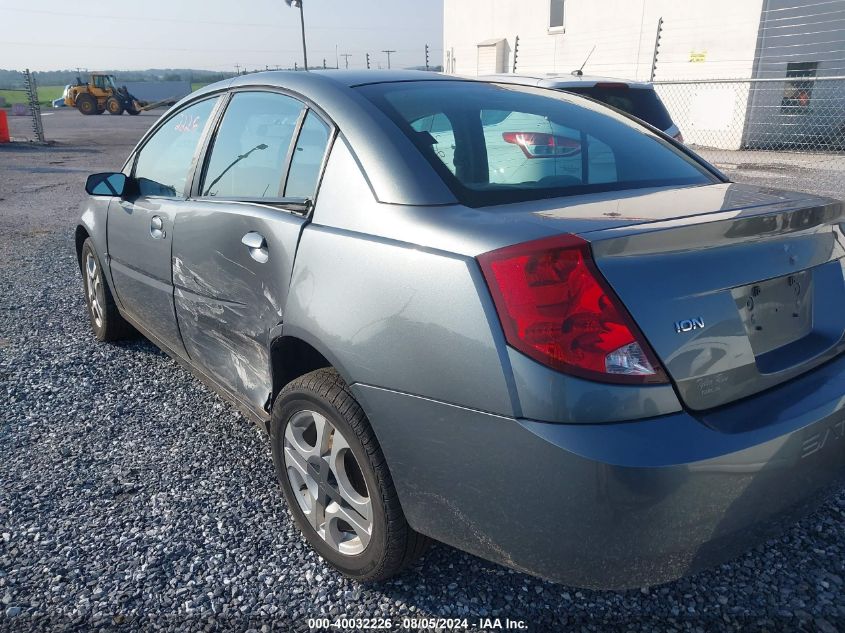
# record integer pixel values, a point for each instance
(328, 482)
(94, 288)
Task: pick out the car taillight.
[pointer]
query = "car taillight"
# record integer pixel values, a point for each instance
(540, 145)
(678, 137)
(555, 306)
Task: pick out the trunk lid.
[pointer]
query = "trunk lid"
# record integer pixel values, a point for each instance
(737, 292)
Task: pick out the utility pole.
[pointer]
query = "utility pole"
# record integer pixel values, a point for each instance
(346, 57)
(426, 56)
(368, 61)
(237, 69)
(388, 51)
(324, 63)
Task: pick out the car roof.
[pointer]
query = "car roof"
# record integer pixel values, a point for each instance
(341, 78)
(561, 80)
(396, 170)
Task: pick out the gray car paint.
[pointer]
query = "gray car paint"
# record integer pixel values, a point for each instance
(491, 451)
(614, 505)
(227, 301)
(140, 264)
(715, 365)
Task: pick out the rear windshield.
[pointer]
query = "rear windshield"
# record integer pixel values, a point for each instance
(641, 102)
(494, 144)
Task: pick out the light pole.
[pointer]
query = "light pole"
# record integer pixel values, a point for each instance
(298, 5)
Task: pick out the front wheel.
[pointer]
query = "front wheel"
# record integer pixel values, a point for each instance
(336, 482)
(106, 321)
(114, 106)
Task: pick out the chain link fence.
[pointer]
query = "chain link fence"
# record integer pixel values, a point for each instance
(786, 133)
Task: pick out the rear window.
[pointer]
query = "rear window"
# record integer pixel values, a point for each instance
(494, 144)
(643, 103)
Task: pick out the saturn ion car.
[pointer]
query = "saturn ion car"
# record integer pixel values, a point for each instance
(506, 318)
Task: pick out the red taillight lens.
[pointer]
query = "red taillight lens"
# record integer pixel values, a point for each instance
(555, 307)
(540, 145)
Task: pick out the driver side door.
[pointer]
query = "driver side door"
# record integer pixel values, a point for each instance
(140, 226)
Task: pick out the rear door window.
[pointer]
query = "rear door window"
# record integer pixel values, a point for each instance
(249, 153)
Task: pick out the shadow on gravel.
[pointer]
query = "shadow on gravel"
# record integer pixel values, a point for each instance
(53, 146)
(139, 345)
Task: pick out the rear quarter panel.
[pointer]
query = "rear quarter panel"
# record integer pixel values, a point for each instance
(391, 313)
(399, 317)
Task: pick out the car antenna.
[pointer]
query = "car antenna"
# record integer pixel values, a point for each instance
(580, 71)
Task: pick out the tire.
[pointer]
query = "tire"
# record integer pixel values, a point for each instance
(359, 475)
(86, 104)
(133, 111)
(114, 106)
(106, 322)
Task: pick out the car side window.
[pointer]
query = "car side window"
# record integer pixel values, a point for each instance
(165, 160)
(250, 149)
(307, 158)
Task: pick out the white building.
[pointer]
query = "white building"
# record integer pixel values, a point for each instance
(785, 40)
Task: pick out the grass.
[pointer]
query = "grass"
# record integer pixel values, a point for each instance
(46, 94)
(198, 84)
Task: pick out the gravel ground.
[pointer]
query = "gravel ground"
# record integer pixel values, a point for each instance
(132, 497)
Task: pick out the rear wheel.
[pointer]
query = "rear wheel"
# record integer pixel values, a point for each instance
(133, 111)
(106, 321)
(86, 104)
(336, 481)
(114, 106)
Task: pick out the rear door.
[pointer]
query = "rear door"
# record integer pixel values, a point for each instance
(236, 239)
(140, 227)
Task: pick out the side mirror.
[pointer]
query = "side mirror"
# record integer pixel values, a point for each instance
(106, 184)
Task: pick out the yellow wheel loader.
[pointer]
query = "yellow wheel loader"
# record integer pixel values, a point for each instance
(101, 94)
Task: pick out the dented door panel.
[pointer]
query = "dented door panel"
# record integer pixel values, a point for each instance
(228, 294)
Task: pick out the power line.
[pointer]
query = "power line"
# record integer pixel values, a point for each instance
(144, 18)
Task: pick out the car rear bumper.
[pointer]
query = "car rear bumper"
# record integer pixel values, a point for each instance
(614, 505)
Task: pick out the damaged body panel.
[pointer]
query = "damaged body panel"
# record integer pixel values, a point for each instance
(229, 297)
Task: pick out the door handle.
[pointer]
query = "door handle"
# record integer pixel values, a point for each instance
(257, 246)
(157, 228)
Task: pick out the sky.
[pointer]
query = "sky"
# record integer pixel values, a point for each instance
(215, 34)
